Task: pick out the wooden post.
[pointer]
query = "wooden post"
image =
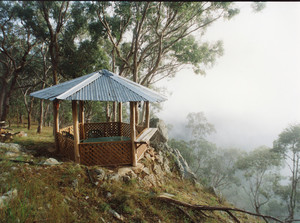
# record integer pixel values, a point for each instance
(120, 119)
(136, 113)
(132, 132)
(76, 131)
(120, 111)
(147, 118)
(56, 123)
(81, 118)
(114, 111)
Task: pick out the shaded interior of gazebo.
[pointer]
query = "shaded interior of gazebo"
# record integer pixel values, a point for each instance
(104, 144)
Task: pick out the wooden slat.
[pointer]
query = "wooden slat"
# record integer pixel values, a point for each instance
(146, 135)
(141, 150)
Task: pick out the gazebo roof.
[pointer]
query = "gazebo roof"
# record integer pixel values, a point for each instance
(101, 85)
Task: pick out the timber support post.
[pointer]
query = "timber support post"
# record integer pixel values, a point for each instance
(133, 132)
(56, 123)
(76, 131)
(147, 118)
(81, 118)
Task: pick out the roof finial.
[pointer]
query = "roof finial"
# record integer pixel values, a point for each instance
(106, 73)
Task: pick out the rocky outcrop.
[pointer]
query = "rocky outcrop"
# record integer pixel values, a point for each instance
(160, 143)
(7, 197)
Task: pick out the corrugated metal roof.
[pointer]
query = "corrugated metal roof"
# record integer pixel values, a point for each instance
(101, 85)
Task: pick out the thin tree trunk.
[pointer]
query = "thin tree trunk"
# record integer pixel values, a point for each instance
(41, 118)
(29, 120)
(46, 114)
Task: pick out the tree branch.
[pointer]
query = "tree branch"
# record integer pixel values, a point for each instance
(212, 208)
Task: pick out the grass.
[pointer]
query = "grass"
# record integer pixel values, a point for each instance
(64, 193)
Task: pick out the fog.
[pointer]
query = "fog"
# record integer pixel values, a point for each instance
(253, 91)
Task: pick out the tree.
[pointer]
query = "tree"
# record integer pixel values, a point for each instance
(288, 146)
(258, 168)
(153, 40)
(17, 44)
(198, 124)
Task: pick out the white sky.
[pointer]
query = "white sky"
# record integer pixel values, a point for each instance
(253, 91)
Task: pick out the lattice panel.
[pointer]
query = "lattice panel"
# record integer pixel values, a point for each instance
(68, 129)
(125, 130)
(141, 150)
(106, 129)
(105, 154)
(66, 146)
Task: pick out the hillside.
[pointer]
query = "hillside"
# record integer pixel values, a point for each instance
(38, 190)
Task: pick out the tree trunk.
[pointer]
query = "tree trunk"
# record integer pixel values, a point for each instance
(46, 114)
(5, 107)
(2, 97)
(29, 120)
(41, 118)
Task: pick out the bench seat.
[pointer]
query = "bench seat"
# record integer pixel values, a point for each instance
(146, 135)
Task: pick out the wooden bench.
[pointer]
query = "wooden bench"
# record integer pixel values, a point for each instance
(146, 135)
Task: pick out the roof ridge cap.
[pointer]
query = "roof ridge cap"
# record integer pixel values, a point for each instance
(79, 86)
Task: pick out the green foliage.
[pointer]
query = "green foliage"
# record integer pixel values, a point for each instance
(287, 145)
(260, 170)
(288, 140)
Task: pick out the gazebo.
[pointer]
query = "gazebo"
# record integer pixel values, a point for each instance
(109, 143)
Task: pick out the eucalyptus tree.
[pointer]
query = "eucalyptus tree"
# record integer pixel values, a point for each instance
(17, 49)
(259, 169)
(153, 40)
(288, 146)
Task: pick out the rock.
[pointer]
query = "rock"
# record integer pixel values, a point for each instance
(138, 169)
(100, 174)
(162, 134)
(114, 177)
(158, 171)
(75, 184)
(150, 180)
(11, 147)
(166, 166)
(8, 196)
(126, 179)
(149, 157)
(159, 143)
(146, 170)
(132, 174)
(11, 154)
(22, 134)
(108, 195)
(160, 157)
(151, 151)
(116, 215)
(124, 170)
(51, 161)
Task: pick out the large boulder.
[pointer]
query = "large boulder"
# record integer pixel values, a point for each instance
(159, 143)
(162, 133)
